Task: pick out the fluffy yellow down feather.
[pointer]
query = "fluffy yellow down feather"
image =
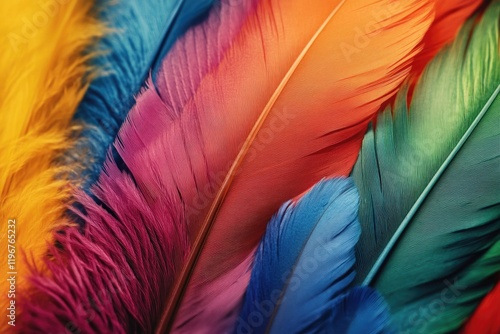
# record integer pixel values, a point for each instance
(42, 71)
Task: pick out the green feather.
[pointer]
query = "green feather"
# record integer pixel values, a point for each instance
(429, 181)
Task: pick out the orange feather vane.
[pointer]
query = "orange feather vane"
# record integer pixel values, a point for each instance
(288, 105)
(227, 139)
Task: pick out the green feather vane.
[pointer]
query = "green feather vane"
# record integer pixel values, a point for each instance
(429, 182)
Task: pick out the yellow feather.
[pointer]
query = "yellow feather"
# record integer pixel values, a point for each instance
(42, 71)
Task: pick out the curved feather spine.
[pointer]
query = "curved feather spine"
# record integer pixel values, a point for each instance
(407, 220)
(214, 212)
(453, 236)
(224, 188)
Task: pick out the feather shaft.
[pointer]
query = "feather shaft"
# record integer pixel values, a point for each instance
(274, 97)
(221, 195)
(193, 126)
(407, 220)
(447, 135)
(101, 278)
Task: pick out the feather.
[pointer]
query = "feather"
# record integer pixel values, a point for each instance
(226, 155)
(309, 244)
(242, 175)
(485, 319)
(420, 209)
(42, 71)
(450, 16)
(143, 32)
(107, 280)
(362, 310)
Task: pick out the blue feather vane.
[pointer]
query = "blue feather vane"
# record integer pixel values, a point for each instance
(310, 246)
(141, 34)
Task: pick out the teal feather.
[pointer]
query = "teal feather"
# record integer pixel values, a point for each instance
(428, 179)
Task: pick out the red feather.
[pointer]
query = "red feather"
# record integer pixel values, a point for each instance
(449, 17)
(486, 318)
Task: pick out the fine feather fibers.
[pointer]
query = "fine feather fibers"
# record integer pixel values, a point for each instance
(306, 305)
(116, 275)
(485, 319)
(362, 310)
(239, 164)
(142, 33)
(196, 129)
(451, 249)
(405, 152)
(450, 16)
(309, 245)
(42, 71)
(107, 280)
(452, 240)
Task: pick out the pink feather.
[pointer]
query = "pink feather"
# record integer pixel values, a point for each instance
(116, 276)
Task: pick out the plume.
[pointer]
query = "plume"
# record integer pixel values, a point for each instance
(126, 281)
(309, 244)
(220, 162)
(485, 319)
(241, 180)
(142, 33)
(428, 181)
(38, 96)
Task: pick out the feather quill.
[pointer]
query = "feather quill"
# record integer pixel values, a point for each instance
(143, 32)
(309, 244)
(485, 319)
(419, 165)
(226, 163)
(42, 71)
(254, 172)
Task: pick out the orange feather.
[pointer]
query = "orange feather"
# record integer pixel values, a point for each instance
(288, 105)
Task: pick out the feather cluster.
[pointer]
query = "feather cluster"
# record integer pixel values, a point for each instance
(257, 166)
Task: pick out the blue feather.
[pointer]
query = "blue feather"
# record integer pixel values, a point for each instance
(362, 310)
(142, 33)
(304, 262)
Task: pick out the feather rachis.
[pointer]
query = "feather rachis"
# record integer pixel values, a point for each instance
(269, 102)
(421, 157)
(208, 120)
(116, 215)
